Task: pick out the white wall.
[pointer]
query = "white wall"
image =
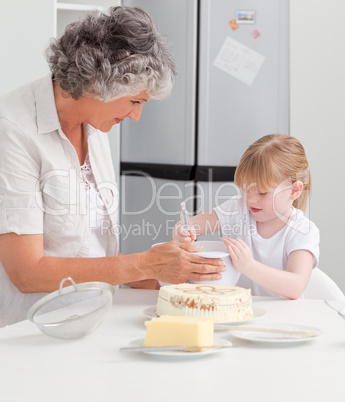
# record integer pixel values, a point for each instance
(318, 118)
(25, 30)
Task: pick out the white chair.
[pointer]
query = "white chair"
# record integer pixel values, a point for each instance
(321, 286)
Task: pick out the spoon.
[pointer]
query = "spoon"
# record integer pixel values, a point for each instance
(340, 312)
(184, 215)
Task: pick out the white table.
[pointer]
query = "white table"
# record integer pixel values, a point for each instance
(35, 367)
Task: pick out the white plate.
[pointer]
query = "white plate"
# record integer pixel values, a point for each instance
(257, 312)
(268, 337)
(185, 355)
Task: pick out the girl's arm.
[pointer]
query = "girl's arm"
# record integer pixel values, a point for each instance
(200, 225)
(290, 283)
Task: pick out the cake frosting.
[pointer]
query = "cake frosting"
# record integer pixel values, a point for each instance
(218, 302)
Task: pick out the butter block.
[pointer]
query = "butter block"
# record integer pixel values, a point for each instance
(179, 331)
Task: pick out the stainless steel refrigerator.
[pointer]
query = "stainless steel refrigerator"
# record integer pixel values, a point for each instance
(232, 88)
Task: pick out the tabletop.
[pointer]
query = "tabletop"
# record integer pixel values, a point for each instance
(36, 367)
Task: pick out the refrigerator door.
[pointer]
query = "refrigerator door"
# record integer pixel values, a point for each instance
(165, 132)
(150, 209)
(233, 113)
(158, 152)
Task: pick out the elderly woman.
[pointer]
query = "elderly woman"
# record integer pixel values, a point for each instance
(58, 197)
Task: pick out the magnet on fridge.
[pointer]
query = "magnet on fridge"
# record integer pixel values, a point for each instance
(233, 24)
(245, 16)
(255, 34)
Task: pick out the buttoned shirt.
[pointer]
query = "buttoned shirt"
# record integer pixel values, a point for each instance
(41, 189)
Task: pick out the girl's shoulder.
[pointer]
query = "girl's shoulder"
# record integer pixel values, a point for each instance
(302, 234)
(300, 225)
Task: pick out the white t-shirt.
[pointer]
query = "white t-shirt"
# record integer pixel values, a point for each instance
(41, 189)
(299, 233)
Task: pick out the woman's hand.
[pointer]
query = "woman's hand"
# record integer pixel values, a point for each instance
(241, 254)
(174, 262)
(184, 233)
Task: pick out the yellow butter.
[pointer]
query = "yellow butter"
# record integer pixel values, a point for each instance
(179, 331)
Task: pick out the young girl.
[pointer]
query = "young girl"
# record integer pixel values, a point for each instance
(270, 241)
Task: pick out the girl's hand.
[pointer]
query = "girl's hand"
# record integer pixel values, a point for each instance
(183, 233)
(241, 254)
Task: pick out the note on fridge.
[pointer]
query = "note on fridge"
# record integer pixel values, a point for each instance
(239, 61)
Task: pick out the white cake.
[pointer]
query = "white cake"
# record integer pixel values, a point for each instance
(218, 302)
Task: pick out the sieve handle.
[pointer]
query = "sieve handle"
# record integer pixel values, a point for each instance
(65, 280)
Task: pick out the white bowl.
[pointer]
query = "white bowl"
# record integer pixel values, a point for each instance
(216, 249)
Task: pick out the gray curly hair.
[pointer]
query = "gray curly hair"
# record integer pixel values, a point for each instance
(108, 56)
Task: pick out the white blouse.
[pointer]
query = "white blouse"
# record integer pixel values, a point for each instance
(42, 191)
(97, 211)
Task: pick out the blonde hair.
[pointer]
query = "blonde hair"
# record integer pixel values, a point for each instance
(272, 160)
